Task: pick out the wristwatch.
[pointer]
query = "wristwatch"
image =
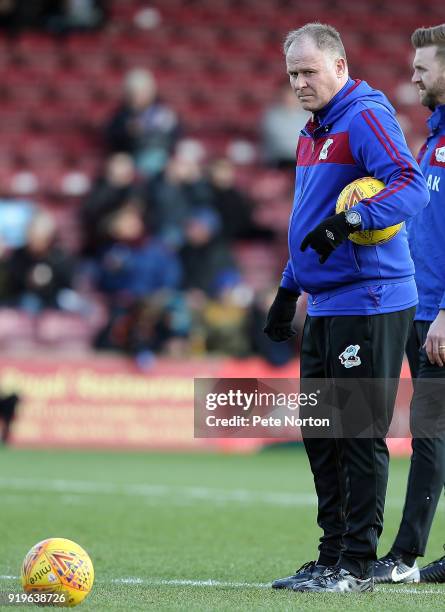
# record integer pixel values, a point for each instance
(353, 219)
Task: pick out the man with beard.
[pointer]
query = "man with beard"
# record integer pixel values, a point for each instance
(426, 346)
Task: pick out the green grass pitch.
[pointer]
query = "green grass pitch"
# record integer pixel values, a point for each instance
(187, 532)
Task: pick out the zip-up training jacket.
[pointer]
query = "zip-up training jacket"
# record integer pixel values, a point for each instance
(426, 230)
(354, 135)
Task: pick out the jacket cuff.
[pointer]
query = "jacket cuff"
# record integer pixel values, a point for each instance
(288, 293)
(290, 284)
(365, 215)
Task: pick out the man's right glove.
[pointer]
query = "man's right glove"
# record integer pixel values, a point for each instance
(327, 236)
(281, 314)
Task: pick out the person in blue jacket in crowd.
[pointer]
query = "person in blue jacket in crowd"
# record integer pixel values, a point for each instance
(361, 299)
(426, 345)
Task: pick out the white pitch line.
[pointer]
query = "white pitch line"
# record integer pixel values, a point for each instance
(184, 582)
(9, 577)
(235, 585)
(251, 585)
(408, 590)
(191, 493)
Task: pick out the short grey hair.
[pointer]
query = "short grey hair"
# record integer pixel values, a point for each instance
(324, 36)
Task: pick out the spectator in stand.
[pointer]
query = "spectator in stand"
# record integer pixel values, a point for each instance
(234, 206)
(143, 126)
(68, 15)
(112, 191)
(17, 14)
(41, 273)
(280, 127)
(224, 319)
(206, 259)
(139, 276)
(58, 16)
(176, 193)
(136, 264)
(8, 13)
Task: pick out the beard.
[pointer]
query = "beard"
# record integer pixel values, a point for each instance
(433, 95)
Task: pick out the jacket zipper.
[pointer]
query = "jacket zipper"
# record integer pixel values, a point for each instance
(303, 181)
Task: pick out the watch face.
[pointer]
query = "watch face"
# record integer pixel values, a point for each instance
(353, 218)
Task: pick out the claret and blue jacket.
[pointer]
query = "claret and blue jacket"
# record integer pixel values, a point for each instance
(355, 135)
(427, 231)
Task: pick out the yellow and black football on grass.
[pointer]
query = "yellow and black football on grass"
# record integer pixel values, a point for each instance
(57, 572)
(351, 195)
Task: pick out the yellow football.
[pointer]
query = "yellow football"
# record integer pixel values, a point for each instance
(351, 195)
(57, 572)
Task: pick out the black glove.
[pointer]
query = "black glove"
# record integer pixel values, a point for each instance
(327, 236)
(281, 314)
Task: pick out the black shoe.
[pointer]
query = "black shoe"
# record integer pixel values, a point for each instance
(434, 571)
(391, 569)
(336, 580)
(303, 574)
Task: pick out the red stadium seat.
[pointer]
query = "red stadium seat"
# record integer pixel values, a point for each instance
(62, 330)
(16, 329)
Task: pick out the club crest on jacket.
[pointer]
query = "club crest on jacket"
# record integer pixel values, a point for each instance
(324, 151)
(440, 154)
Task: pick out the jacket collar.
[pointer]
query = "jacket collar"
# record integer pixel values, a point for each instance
(340, 104)
(344, 91)
(437, 119)
(318, 124)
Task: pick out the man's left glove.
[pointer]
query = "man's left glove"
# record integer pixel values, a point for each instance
(327, 236)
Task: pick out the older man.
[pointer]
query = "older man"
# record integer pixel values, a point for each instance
(360, 297)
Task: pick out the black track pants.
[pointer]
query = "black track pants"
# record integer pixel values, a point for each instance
(427, 471)
(350, 475)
